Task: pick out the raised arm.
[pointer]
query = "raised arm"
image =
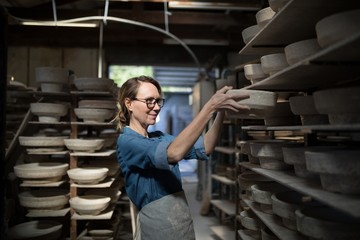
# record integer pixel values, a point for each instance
(219, 102)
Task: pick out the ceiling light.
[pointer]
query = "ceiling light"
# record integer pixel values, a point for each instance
(212, 5)
(58, 24)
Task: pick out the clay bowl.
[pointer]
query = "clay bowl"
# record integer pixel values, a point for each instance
(254, 72)
(89, 204)
(273, 63)
(341, 104)
(339, 170)
(270, 154)
(51, 87)
(112, 193)
(84, 145)
(296, 156)
(93, 114)
(280, 115)
(264, 16)
(277, 5)
(52, 75)
(109, 163)
(98, 104)
(246, 234)
(267, 234)
(93, 84)
(222, 82)
(250, 32)
(259, 102)
(245, 149)
(41, 141)
(246, 180)
(305, 107)
(49, 112)
(262, 192)
(327, 223)
(284, 205)
(101, 233)
(337, 27)
(249, 220)
(44, 199)
(88, 175)
(36, 230)
(298, 51)
(42, 170)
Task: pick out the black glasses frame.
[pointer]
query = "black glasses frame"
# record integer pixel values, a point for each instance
(150, 102)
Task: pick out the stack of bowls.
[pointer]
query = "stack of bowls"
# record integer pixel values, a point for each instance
(52, 79)
(305, 107)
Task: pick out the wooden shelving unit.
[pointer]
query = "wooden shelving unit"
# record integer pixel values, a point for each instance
(334, 66)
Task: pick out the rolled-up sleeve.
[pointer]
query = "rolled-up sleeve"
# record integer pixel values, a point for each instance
(198, 151)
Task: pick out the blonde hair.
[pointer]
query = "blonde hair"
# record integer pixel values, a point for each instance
(129, 90)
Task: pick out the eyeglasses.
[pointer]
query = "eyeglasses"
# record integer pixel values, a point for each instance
(150, 102)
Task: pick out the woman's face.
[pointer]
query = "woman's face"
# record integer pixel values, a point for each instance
(141, 114)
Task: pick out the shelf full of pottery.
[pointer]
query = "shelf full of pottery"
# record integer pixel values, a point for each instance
(299, 53)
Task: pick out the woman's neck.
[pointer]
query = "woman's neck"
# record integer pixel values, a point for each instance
(139, 129)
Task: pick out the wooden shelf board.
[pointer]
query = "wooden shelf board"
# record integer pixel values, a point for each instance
(306, 128)
(349, 204)
(226, 150)
(52, 184)
(223, 232)
(273, 222)
(225, 206)
(48, 213)
(222, 179)
(92, 93)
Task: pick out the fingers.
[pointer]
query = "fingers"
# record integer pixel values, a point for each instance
(225, 89)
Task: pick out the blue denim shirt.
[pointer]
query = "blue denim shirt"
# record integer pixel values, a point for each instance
(144, 163)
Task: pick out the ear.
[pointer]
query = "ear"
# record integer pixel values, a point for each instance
(128, 104)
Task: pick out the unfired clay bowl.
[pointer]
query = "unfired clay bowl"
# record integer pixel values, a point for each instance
(84, 145)
(49, 112)
(280, 115)
(264, 16)
(89, 204)
(277, 5)
(273, 63)
(285, 204)
(88, 175)
(246, 180)
(40, 170)
(51, 87)
(93, 84)
(36, 230)
(337, 27)
(249, 220)
(339, 170)
(341, 104)
(52, 75)
(93, 114)
(327, 223)
(50, 199)
(41, 141)
(254, 72)
(259, 102)
(97, 104)
(298, 51)
(305, 107)
(249, 32)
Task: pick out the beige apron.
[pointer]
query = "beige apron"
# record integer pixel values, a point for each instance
(167, 218)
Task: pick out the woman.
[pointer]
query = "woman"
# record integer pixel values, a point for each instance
(149, 160)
